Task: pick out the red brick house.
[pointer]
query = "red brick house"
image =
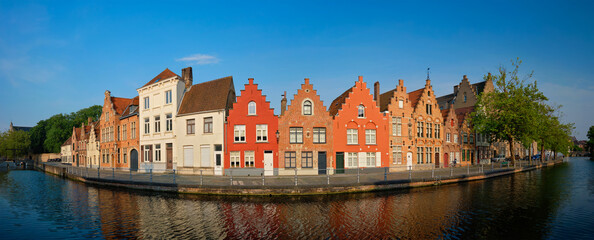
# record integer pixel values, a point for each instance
(305, 128)
(252, 147)
(451, 144)
(360, 130)
(113, 107)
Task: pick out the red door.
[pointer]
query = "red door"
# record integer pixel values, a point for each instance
(446, 160)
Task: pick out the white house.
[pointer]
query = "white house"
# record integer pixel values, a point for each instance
(159, 101)
(93, 153)
(200, 131)
(66, 151)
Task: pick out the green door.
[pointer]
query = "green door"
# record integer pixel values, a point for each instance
(339, 162)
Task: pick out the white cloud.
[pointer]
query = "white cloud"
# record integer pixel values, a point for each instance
(199, 59)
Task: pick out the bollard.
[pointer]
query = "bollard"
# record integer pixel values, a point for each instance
(200, 177)
(358, 170)
(263, 179)
(231, 177)
(151, 175)
(410, 173)
(451, 172)
(173, 176)
(98, 172)
(295, 176)
(385, 174)
(433, 172)
(113, 173)
(328, 175)
(130, 174)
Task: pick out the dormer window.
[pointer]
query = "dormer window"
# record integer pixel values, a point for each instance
(252, 108)
(307, 107)
(361, 111)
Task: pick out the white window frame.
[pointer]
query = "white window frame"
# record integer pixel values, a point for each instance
(248, 159)
(370, 159)
(147, 103)
(400, 103)
(157, 152)
(361, 111)
(239, 133)
(295, 134)
(252, 108)
(352, 136)
(168, 97)
(262, 133)
(157, 124)
(168, 122)
(147, 126)
(448, 137)
(319, 135)
(370, 137)
(352, 160)
(305, 108)
(234, 159)
(207, 125)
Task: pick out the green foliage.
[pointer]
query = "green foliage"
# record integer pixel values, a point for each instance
(49, 134)
(14, 143)
(591, 141)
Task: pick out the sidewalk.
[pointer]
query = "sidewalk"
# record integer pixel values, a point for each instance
(298, 184)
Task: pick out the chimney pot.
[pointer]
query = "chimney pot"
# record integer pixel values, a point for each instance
(376, 93)
(187, 76)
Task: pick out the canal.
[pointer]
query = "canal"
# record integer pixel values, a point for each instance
(555, 202)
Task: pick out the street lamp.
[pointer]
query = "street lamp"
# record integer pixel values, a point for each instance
(277, 135)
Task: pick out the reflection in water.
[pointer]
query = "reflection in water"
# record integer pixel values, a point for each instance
(554, 202)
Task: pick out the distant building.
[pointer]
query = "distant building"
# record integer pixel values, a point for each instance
(18, 128)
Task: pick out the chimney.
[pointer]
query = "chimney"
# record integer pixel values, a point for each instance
(107, 94)
(284, 102)
(489, 77)
(89, 120)
(455, 89)
(376, 93)
(187, 76)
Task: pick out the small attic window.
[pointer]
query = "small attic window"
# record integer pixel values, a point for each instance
(157, 80)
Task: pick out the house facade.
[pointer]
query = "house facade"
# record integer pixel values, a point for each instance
(252, 146)
(360, 130)
(66, 151)
(129, 140)
(110, 151)
(200, 131)
(93, 146)
(305, 134)
(397, 104)
(451, 145)
(159, 101)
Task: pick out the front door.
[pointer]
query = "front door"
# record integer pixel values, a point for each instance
(322, 163)
(169, 150)
(339, 162)
(134, 160)
(445, 160)
(409, 160)
(437, 160)
(268, 163)
(218, 159)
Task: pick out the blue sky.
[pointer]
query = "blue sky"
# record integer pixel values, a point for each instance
(59, 56)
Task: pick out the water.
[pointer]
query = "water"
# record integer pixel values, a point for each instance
(551, 203)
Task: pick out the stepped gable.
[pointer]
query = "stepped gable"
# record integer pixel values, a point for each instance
(386, 99)
(337, 103)
(163, 75)
(414, 97)
(206, 96)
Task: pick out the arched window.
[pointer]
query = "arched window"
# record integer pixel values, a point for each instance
(361, 111)
(307, 107)
(252, 108)
(464, 97)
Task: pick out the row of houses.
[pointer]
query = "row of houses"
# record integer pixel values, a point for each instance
(205, 128)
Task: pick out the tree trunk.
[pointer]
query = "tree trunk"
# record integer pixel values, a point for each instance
(511, 151)
(542, 152)
(530, 154)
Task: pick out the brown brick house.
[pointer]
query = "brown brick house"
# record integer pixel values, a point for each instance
(305, 129)
(113, 107)
(128, 141)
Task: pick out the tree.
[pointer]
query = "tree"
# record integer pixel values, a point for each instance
(591, 142)
(14, 143)
(509, 113)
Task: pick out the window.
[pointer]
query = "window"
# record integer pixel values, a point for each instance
(456, 138)
(261, 133)
(125, 132)
(370, 159)
(125, 155)
(429, 131)
(419, 129)
(447, 137)
(296, 135)
(428, 108)
(147, 126)
(168, 122)
(158, 124)
(437, 151)
(157, 152)
(465, 137)
(119, 158)
(428, 154)
(307, 159)
(361, 111)
(118, 134)
(190, 126)
(307, 107)
(146, 103)
(319, 135)
(147, 150)
(252, 108)
(352, 160)
(168, 97)
(397, 155)
(239, 133)
(208, 125)
(437, 133)
(133, 129)
(369, 136)
(419, 155)
(234, 159)
(248, 158)
(398, 126)
(464, 97)
(471, 138)
(400, 104)
(290, 159)
(352, 137)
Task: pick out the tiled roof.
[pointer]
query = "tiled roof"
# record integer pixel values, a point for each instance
(414, 96)
(385, 99)
(120, 104)
(447, 98)
(163, 75)
(461, 113)
(206, 96)
(68, 141)
(337, 103)
(479, 87)
(131, 109)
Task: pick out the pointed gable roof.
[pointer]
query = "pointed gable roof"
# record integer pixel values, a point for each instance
(414, 97)
(337, 103)
(120, 104)
(206, 96)
(68, 141)
(163, 75)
